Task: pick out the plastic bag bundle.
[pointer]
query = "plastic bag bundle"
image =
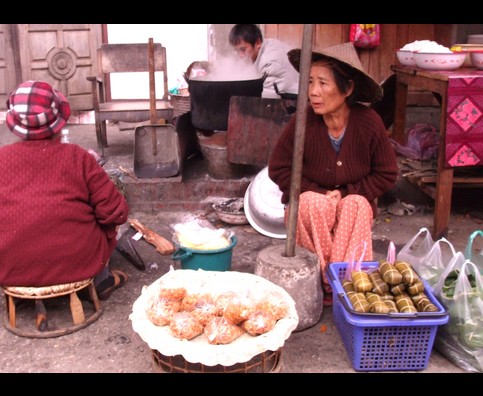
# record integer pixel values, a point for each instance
(427, 257)
(460, 290)
(434, 263)
(200, 235)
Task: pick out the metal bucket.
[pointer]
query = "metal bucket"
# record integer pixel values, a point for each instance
(215, 152)
(208, 260)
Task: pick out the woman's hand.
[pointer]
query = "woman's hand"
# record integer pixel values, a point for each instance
(334, 194)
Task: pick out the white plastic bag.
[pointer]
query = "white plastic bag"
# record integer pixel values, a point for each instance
(200, 235)
(416, 249)
(471, 253)
(460, 290)
(434, 263)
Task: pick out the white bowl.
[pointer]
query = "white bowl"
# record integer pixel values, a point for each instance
(406, 58)
(442, 61)
(477, 59)
(468, 48)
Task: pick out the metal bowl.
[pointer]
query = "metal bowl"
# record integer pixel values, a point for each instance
(263, 207)
(231, 211)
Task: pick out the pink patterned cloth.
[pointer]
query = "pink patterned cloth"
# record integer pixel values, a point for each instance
(334, 230)
(464, 122)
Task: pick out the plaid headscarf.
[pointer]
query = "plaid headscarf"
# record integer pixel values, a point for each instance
(36, 110)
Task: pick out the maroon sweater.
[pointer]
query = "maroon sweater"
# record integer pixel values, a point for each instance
(59, 212)
(365, 165)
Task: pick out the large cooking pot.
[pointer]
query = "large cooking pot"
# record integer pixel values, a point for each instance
(210, 100)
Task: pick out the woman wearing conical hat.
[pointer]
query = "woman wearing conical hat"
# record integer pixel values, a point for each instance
(348, 160)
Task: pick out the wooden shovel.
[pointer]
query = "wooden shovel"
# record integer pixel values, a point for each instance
(152, 94)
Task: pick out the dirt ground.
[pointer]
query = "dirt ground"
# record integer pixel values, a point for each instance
(110, 345)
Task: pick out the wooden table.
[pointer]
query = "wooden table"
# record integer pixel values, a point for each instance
(436, 82)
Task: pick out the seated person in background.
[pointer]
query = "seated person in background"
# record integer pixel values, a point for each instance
(60, 210)
(348, 160)
(269, 56)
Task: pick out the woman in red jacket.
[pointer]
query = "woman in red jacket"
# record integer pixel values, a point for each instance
(60, 209)
(348, 161)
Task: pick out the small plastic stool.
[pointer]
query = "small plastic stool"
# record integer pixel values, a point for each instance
(41, 330)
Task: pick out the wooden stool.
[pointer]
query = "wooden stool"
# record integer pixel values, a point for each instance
(47, 292)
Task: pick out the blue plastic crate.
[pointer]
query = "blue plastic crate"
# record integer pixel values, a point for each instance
(384, 342)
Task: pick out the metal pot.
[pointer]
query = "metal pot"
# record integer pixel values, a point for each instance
(210, 100)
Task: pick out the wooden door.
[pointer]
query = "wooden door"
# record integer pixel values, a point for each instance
(8, 65)
(63, 55)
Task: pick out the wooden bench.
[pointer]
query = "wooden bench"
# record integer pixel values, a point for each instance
(127, 58)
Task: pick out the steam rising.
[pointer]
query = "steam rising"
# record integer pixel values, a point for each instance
(230, 69)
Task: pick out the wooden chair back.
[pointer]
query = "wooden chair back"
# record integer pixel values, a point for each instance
(127, 58)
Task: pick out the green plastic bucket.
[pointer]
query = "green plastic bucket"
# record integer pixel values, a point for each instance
(208, 260)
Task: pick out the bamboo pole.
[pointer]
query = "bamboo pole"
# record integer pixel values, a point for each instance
(298, 149)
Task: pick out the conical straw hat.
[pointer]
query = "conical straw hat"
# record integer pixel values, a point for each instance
(366, 89)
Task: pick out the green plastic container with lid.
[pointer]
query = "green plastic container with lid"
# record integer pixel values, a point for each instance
(208, 260)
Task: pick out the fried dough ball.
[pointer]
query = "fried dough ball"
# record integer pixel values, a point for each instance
(190, 300)
(239, 309)
(276, 307)
(220, 331)
(259, 322)
(161, 310)
(204, 309)
(223, 300)
(173, 293)
(185, 326)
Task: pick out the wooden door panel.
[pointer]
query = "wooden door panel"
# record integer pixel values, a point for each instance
(7, 65)
(63, 55)
(327, 35)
